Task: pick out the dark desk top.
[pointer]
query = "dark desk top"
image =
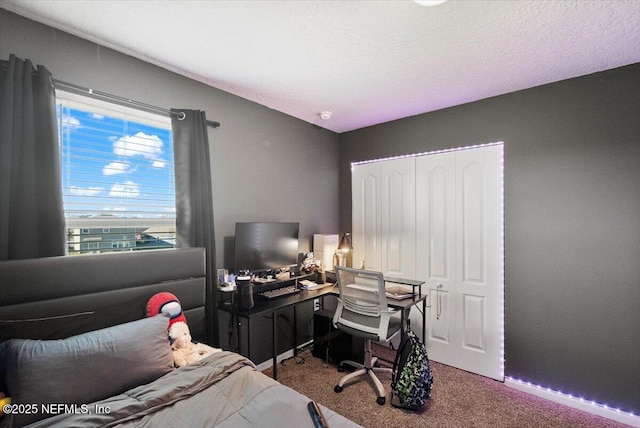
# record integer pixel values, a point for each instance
(264, 306)
(411, 282)
(405, 303)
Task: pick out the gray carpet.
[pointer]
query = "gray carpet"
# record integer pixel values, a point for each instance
(458, 399)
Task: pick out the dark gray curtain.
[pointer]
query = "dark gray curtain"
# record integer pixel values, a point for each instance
(194, 200)
(31, 212)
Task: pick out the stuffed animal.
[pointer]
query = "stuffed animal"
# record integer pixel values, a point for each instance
(167, 304)
(184, 350)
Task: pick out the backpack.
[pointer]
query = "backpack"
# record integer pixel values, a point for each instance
(411, 380)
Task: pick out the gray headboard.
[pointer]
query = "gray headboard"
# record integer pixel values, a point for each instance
(57, 297)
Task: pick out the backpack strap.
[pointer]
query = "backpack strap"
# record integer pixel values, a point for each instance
(396, 361)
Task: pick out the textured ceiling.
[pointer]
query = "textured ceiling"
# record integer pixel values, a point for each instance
(367, 62)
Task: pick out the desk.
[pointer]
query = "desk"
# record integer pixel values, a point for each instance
(271, 306)
(405, 305)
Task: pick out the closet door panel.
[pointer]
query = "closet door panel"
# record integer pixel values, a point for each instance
(384, 217)
(479, 260)
(439, 329)
(366, 215)
(459, 237)
(435, 249)
(472, 194)
(473, 328)
(398, 218)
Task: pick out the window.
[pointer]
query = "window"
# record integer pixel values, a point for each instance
(117, 176)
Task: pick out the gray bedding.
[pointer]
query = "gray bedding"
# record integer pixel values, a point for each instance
(221, 390)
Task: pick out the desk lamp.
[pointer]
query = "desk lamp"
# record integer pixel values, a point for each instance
(346, 248)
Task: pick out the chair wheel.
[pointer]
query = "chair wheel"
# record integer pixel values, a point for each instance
(338, 388)
(381, 400)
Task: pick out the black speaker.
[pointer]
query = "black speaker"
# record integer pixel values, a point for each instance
(245, 287)
(331, 344)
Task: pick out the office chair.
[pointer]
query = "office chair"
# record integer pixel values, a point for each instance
(363, 312)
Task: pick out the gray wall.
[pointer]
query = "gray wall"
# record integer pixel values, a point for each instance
(267, 166)
(572, 194)
(572, 223)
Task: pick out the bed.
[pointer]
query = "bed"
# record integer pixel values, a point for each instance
(78, 349)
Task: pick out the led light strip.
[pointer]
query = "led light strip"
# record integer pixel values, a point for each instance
(502, 274)
(434, 152)
(570, 400)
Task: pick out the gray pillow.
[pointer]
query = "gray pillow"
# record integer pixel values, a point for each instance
(84, 368)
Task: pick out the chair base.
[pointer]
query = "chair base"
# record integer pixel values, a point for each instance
(364, 369)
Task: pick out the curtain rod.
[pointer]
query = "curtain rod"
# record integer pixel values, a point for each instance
(126, 101)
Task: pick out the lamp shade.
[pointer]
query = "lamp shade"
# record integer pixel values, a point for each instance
(345, 242)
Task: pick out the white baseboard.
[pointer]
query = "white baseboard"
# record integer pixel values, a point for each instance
(575, 402)
(269, 363)
(284, 356)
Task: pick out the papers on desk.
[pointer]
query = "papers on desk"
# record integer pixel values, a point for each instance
(305, 284)
(398, 292)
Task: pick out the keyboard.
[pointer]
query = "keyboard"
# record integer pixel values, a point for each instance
(278, 292)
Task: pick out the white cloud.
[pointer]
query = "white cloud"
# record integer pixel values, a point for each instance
(116, 167)
(85, 191)
(128, 189)
(97, 116)
(141, 144)
(159, 163)
(70, 122)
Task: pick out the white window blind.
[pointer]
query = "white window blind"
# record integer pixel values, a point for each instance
(117, 176)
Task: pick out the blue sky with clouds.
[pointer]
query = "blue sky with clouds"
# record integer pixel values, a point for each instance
(115, 166)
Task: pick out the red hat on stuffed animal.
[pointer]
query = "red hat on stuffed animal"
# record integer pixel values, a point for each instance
(167, 304)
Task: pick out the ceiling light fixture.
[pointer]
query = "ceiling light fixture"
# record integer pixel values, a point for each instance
(325, 115)
(429, 2)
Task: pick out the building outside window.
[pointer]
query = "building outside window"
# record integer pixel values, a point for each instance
(117, 176)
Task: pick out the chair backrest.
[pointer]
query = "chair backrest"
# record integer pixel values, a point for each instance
(362, 306)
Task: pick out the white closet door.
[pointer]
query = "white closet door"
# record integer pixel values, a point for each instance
(365, 190)
(436, 244)
(479, 259)
(398, 218)
(384, 216)
(459, 253)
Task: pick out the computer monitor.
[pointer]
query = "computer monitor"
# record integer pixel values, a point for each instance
(261, 246)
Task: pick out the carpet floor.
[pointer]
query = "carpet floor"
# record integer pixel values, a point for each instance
(458, 399)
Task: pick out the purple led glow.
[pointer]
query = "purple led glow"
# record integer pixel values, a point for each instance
(570, 400)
